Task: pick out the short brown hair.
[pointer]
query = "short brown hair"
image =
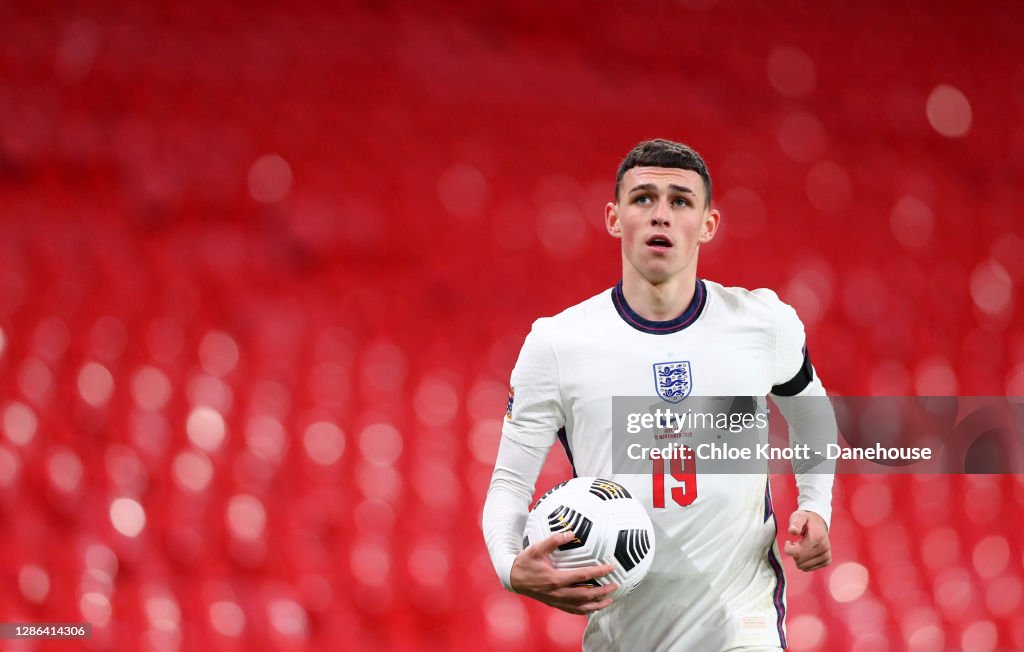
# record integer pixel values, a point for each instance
(661, 153)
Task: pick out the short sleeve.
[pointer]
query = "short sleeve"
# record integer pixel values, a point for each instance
(535, 412)
(792, 371)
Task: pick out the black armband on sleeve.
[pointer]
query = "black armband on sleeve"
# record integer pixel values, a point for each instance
(799, 382)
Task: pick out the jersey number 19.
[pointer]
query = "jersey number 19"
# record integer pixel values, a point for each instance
(683, 471)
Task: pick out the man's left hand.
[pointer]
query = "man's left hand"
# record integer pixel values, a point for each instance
(812, 550)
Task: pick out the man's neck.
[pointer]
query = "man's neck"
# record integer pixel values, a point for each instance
(661, 301)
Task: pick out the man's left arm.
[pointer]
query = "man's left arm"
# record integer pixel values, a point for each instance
(812, 423)
(802, 399)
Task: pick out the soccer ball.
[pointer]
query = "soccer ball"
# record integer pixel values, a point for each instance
(611, 527)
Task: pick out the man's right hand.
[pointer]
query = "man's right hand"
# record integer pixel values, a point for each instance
(535, 577)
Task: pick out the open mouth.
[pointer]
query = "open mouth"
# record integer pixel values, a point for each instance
(659, 242)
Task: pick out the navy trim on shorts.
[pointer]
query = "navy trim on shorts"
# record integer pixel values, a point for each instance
(779, 594)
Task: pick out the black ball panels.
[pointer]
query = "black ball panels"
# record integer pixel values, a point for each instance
(631, 547)
(552, 490)
(608, 490)
(603, 489)
(565, 518)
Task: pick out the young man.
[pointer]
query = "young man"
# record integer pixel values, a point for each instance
(716, 581)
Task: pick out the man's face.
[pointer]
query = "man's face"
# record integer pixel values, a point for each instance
(661, 218)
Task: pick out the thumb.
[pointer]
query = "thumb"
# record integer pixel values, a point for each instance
(797, 523)
(791, 549)
(548, 545)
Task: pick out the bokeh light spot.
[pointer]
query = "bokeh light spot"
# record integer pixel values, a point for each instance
(163, 612)
(949, 111)
(266, 438)
(806, 632)
(484, 440)
(562, 230)
(65, 470)
(95, 384)
(9, 466)
(95, 608)
(1003, 596)
(911, 222)
(288, 618)
(192, 470)
(370, 563)
(436, 401)
(218, 353)
(871, 504)
(791, 71)
(324, 442)
(980, 636)
(952, 591)
(991, 288)
(19, 423)
(380, 444)
(935, 377)
(205, 427)
(210, 391)
(828, 187)
(926, 638)
(51, 339)
(127, 516)
(101, 558)
(428, 564)
(991, 556)
(246, 517)
(34, 583)
(505, 618)
(36, 381)
(462, 190)
(848, 582)
(270, 179)
(802, 137)
(564, 629)
(227, 618)
(151, 389)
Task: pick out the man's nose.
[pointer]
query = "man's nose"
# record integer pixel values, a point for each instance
(661, 215)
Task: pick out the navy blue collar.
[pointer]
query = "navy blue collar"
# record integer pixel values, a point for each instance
(689, 316)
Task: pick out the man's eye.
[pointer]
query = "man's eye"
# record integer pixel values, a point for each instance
(681, 202)
(643, 199)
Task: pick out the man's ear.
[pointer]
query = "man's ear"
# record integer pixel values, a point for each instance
(710, 226)
(611, 220)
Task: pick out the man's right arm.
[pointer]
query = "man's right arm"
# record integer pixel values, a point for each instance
(535, 414)
(508, 502)
(529, 571)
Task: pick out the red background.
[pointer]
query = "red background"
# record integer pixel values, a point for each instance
(220, 225)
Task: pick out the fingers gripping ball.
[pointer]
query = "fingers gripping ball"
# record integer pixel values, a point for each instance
(610, 527)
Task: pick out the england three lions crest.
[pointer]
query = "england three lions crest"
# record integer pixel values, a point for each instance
(672, 380)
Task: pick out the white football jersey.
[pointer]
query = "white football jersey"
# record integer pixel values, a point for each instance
(716, 581)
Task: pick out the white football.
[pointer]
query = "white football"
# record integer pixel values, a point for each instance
(611, 527)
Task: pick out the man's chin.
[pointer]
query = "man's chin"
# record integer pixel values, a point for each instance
(658, 276)
(658, 271)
